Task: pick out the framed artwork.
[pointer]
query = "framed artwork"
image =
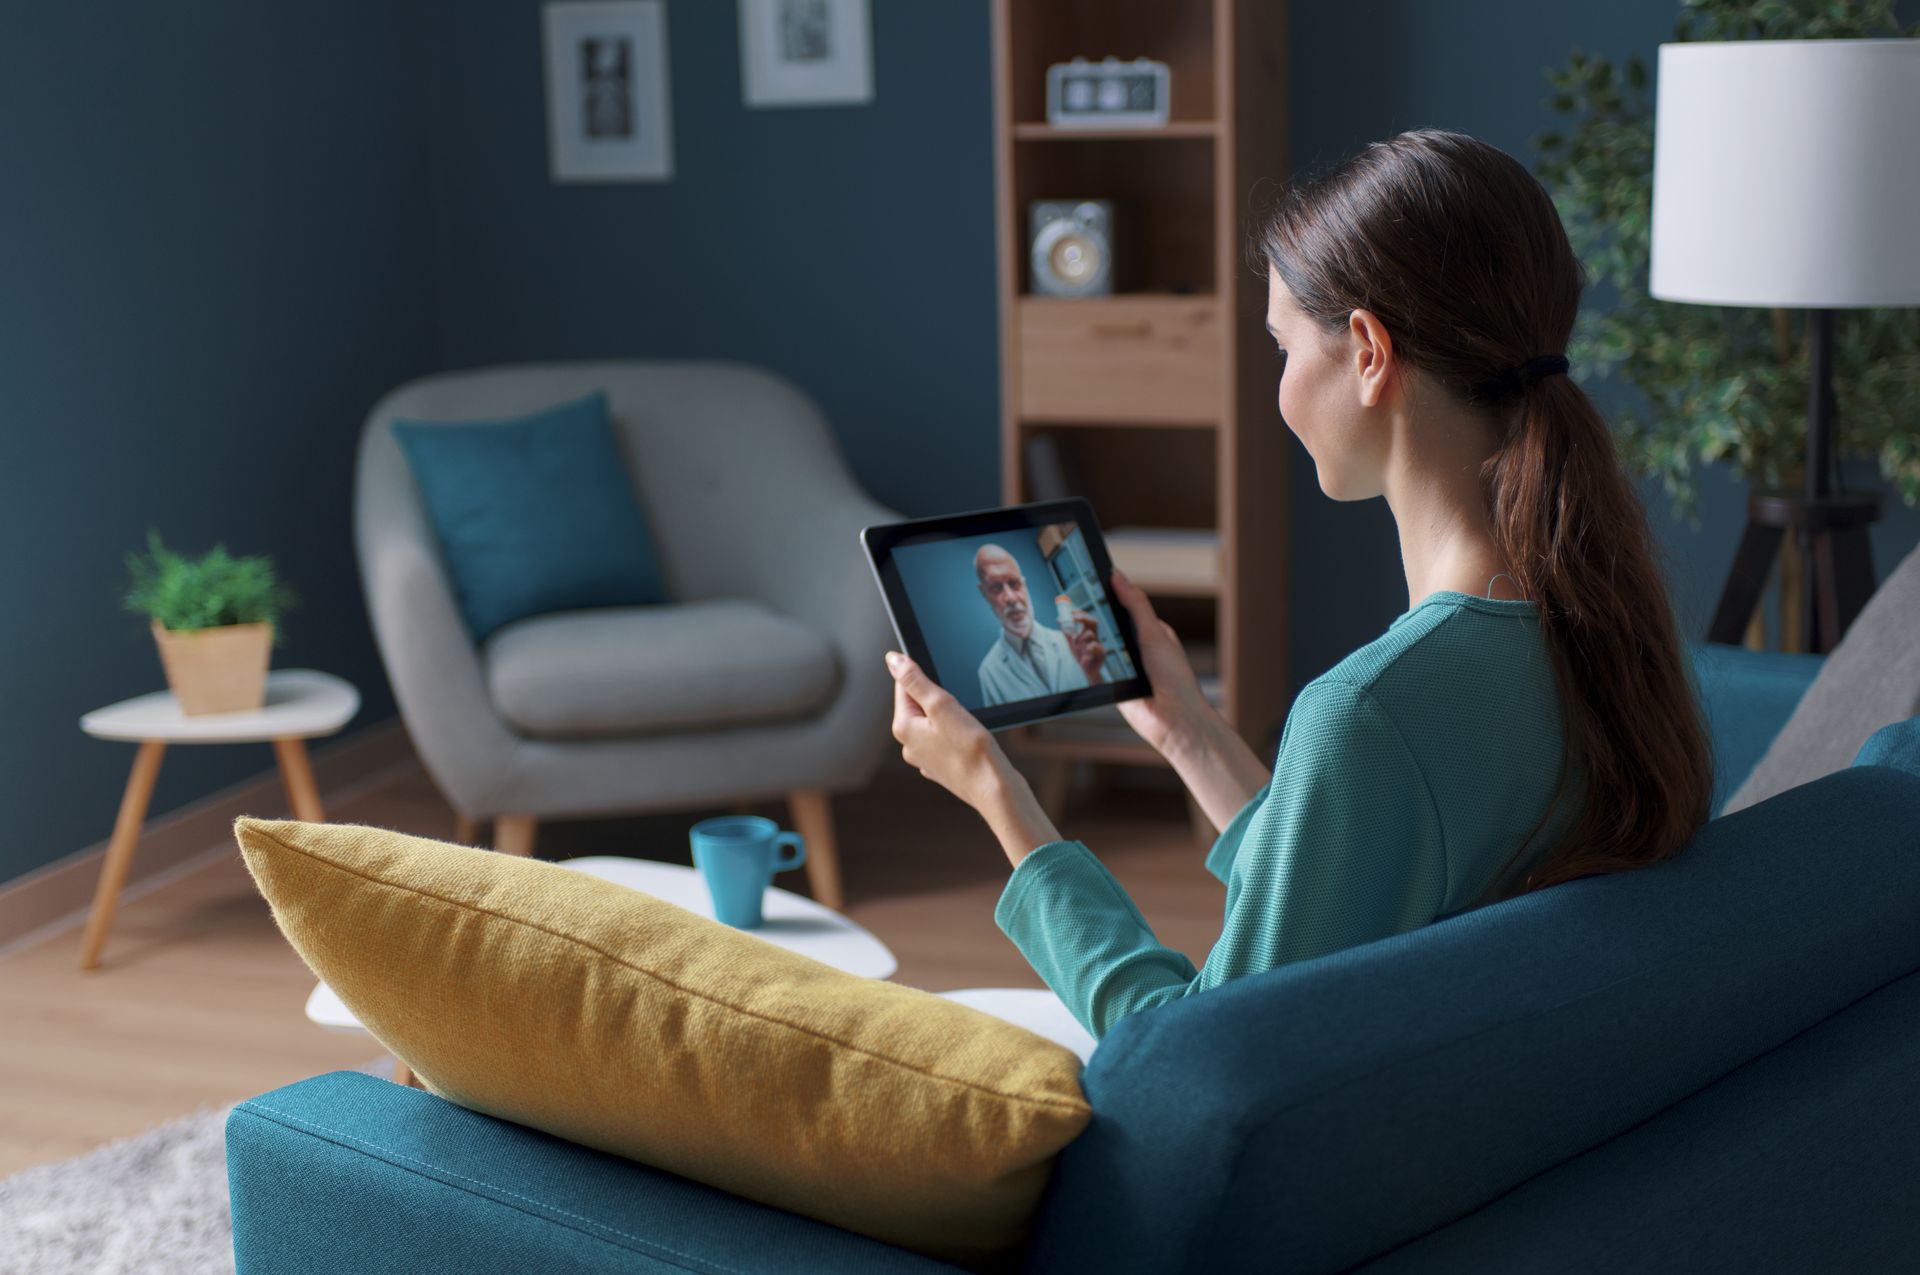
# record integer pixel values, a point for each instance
(609, 116)
(805, 52)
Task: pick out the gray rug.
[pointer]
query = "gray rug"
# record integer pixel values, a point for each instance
(153, 1204)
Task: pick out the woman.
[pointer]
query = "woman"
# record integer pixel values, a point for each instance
(1530, 719)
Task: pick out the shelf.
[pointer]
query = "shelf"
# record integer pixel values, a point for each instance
(1041, 132)
(1099, 734)
(1153, 403)
(1177, 32)
(1142, 295)
(1168, 562)
(1112, 423)
(1164, 232)
(1137, 475)
(1148, 358)
(1081, 744)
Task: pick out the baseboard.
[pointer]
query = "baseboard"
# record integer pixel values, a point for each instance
(57, 896)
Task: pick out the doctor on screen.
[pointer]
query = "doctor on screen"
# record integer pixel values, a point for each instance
(1028, 658)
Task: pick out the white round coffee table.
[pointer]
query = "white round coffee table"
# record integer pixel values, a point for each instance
(792, 921)
(300, 704)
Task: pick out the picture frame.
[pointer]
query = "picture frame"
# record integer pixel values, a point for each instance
(806, 52)
(609, 99)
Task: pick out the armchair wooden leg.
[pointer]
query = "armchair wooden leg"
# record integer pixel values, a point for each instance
(514, 834)
(1053, 785)
(463, 829)
(813, 820)
(1203, 831)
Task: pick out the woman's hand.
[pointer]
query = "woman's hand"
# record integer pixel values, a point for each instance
(1175, 712)
(939, 737)
(1215, 764)
(947, 744)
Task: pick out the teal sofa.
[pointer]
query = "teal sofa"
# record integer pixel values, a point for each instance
(1709, 1065)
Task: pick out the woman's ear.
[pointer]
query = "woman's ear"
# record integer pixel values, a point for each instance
(1371, 351)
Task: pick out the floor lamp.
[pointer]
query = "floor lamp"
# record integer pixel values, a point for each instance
(1786, 173)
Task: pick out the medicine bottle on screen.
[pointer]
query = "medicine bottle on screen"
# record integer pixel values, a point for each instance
(1063, 613)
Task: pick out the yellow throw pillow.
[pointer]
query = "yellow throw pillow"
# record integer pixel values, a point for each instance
(617, 1020)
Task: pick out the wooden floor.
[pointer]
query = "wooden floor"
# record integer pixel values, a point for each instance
(200, 1001)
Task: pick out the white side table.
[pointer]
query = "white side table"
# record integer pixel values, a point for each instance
(301, 704)
(792, 921)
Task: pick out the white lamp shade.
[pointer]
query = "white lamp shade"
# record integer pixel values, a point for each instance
(1787, 173)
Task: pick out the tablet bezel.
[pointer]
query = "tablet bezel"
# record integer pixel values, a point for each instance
(880, 540)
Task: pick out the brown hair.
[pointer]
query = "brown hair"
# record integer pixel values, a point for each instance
(1459, 253)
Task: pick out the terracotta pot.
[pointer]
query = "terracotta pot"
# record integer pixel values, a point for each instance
(217, 670)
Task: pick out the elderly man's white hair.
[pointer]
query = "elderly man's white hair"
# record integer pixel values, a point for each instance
(986, 553)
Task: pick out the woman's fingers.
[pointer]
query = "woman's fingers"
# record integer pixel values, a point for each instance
(922, 689)
(1132, 598)
(905, 709)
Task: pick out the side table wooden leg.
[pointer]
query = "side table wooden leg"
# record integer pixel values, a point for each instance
(126, 834)
(296, 772)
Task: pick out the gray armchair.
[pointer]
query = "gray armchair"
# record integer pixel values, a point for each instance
(762, 678)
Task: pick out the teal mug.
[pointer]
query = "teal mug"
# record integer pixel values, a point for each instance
(738, 855)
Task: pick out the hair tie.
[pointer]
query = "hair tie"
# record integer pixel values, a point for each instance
(1538, 369)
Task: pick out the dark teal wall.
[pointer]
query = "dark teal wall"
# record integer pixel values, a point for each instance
(212, 258)
(225, 229)
(850, 248)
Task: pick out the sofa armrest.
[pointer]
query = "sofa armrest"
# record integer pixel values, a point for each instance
(1747, 697)
(348, 1172)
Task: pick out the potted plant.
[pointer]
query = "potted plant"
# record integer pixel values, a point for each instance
(1717, 384)
(213, 620)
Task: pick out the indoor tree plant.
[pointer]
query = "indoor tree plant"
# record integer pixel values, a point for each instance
(1717, 384)
(213, 620)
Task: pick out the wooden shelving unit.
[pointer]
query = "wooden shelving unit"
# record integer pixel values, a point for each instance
(1162, 394)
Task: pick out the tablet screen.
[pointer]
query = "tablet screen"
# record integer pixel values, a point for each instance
(1009, 609)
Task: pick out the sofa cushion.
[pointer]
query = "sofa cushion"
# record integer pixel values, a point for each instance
(1872, 678)
(638, 670)
(1323, 1112)
(532, 513)
(349, 1174)
(1896, 746)
(613, 1019)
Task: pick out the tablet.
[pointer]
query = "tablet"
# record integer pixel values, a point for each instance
(988, 603)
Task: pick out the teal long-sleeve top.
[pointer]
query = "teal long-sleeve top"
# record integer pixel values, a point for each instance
(1407, 775)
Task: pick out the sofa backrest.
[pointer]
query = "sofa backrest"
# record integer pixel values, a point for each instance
(1317, 1115)
(712, 448)
(1805, 1159)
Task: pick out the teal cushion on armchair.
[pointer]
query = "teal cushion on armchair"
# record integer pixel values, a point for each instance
(533, 514)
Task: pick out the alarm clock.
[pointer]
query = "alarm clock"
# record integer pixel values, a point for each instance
(1072, 247)
(1107, 94)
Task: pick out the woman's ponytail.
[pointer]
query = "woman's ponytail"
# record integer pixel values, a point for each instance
(1569, 523)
